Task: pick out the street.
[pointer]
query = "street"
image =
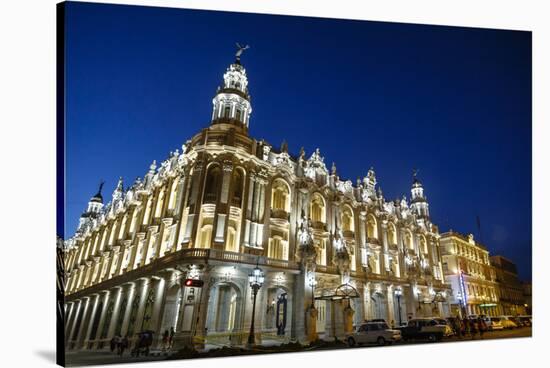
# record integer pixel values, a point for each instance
(502, 334)
(102, 357)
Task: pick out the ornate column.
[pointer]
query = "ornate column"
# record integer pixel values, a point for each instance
(384, 225)
(91, 319)
(391, 308)
(116, 311)
(160, 286)
(103, 312)
(71, 327)
(261, 214)
(68, 316)
(131, 293)
(83, 324)
(249, 206)
(194, 197)
(303, 294)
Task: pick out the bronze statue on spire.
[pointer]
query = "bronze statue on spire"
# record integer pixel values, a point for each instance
(240, 50)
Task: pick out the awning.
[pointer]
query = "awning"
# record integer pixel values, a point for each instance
(344, 291)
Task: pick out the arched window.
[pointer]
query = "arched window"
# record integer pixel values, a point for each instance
(160, 202)
(231, 244)
(173, 191)
(238, 183)
(317, 208)
(213, 180)
(148, 208)
(372, 229)
(347, 219)
(423, 244)
(280, 196)
(238, 115)
(392, 234)
(205, 237)
(409, 240)
(227, 112)
(122, 227)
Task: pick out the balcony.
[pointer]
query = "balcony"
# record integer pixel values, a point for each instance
(280, 214)
(348, 234)
(233, 257)
(318, 225)
(210, 198)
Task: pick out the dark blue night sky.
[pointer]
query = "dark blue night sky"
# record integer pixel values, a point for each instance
(453, 102)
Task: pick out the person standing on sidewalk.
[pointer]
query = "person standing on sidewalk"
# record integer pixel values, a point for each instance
(466, 324)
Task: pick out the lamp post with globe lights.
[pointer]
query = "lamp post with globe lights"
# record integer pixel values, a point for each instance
(256, 280)
(312, 283)
(398, 294)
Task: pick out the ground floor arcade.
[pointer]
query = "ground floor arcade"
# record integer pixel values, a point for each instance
(220, 312)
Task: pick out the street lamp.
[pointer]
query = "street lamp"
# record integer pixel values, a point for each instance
(398, 294)
(256, 280)
(312, 283)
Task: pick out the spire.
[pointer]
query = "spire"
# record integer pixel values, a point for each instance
(98, 197)
(231, 105)
(94, 207)
(416, 182)
(418, 201)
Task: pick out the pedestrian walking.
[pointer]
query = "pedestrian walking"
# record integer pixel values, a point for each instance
(123, 345)
(171, 338)
(113, 344)
(118, 342)
(165, 338)
(466, 324)
(457, 325)
(473, 327)
(482, 327)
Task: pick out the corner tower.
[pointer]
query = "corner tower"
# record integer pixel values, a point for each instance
(94, 207)
(418, 201)
(231, 105)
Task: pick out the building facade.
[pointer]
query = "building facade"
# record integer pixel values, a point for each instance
(510, 289)
(333, 253)
(467, 267)
(528, 297)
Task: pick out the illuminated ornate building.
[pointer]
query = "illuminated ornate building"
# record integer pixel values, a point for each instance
(468, 269)
(333, 253)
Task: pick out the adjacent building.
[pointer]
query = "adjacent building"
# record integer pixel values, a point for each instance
(467, 267)
(510, 289)
(528, 296)
(331, 252)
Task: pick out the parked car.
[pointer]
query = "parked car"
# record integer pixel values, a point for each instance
(373, 333)
(507, 322)
(494, 324)
(424, 329)
(448, 328)
(526, 321)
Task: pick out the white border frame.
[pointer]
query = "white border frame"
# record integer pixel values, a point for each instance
(27, 84)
